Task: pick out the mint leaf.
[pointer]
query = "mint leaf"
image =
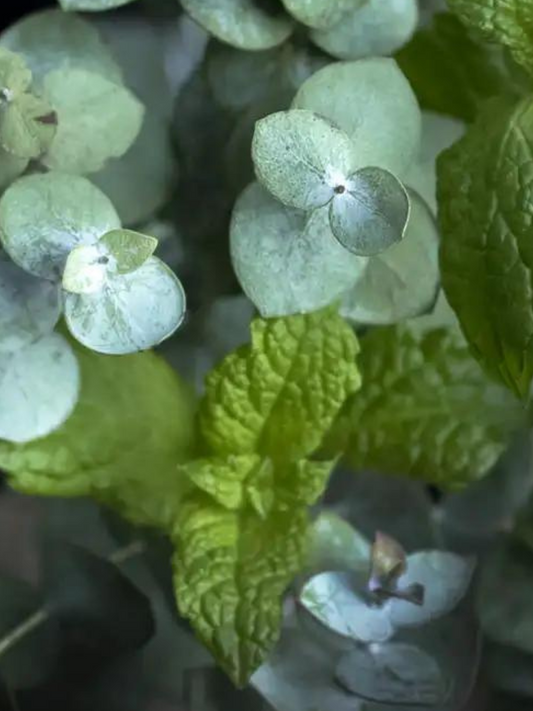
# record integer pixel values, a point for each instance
(231, 569)
(486, 205)
(90, 456)
(507, 22)
(425, 409)
(97, 120)
(279, 395)
(449, 70)
(241, 23)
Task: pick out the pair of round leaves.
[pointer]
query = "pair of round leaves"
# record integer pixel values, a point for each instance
(39, 378)
(118, 299)
(27, 122)
(306, 162)
(341, 602)
(97, 117)
(288, 261)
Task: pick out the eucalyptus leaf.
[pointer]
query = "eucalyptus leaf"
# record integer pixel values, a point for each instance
(403, 281)
(371, 212)
(392, 673)
(85, 269)
(91, 5)
(29, 307)
(39, 387)
(97, 120)
(336, 545)
(372, 101)
(15, 77)
(379, 27)
(321, 13)
(286, 260)
(98, 608)
(342, 604)
(301, 158)
(127, 249)
(27, 126)
(141, 181)
(53, 39)
(11, 167)
(134, 312)
(43, 217)
(241, 23)
(446, 578)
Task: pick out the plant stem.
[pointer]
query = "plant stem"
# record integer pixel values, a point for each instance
(40, 616)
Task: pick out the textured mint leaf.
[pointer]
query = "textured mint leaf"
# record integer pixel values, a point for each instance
(279, 395)
(507, 22)
(485, 195)
(231, 570)
(425, 409)
(131, 427)
(450, 72)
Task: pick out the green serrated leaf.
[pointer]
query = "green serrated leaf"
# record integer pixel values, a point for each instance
(373, 103)
(128, 249)
(44, 216)
(97, 120)
(288, 261)
(507, 22)
(53, 39)
(425, 409)
(485, 198)
(278, 396)
(90, 456)
(449, 70)
(301, 158)
(246, 24)
(376, 29)
(231, 570)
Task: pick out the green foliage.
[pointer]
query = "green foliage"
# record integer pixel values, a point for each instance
(507, 22)
(241, 534)
(450, 71)
(485, 208)
(425, 409)
(90, 456)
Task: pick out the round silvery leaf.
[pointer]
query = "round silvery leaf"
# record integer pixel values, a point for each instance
(438, 133)
(27, 126)
(372, 101)
(301, 158)
(445, 577)
(11, 167)
(29, 307)
(336, 545)
(140, 182)
(97, 120)
(286, 260)
(370, 213)
(241, 23)
(85, 270)
(15, 77)
(392, 673)
(39, 387)
(378, 28)
(43, 217)
(321, 13)
(53, 39)
(338, 600)
(133, 312)
(403, 281)
(91, 5)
